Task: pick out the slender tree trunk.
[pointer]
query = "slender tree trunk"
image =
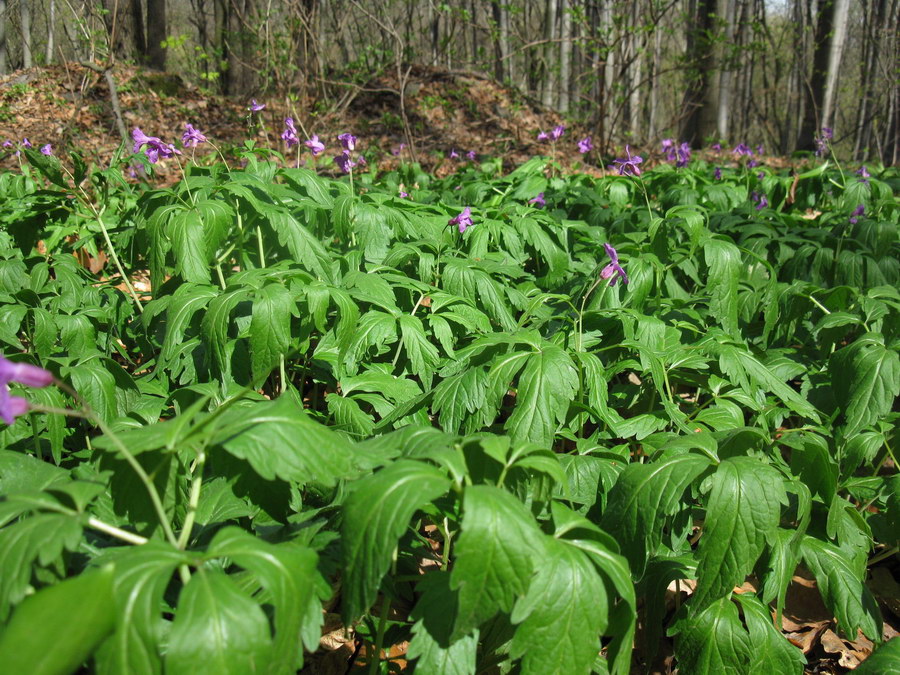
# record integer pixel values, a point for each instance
(25, 20)
(565, 56)
(3, 64)
(548, 97)
(696, 118)
(815, 89)
(653, 83)
(137, 29)
(727, 12)
(51, 33)
(835, 53)
(156, 33)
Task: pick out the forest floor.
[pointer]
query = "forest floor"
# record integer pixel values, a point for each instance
(69, 106)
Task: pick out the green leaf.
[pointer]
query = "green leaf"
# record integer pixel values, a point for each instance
(724, 261)
(185, 229)
(288, 572)
(495, 556)
(142, 575)
(42, 538)
(841, 585)
(270, 328)
(642, 498)
(279, 439)
(865, 378)
(423, 355)
(458, 397)
(772, 653)
(375, 516)
(563, 614)
(883, 661)
(713, 641)
(54, 631)
(217, 629)
(434, 616)
(349, 415)
(546, 387)
(743, 510)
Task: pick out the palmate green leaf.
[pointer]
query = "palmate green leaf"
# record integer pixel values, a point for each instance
(865, 378)
(185, 230)
(724, 261)
(546, 387)
(772, 653)
(745, 369)
(141, 576)
(840, 582)
(218, 629)
(349, 415)
(435, 615)
(187, 300)
(458, 397)
(713, 641)
(496, 555)
(279, 440)
(300, 242)
(270, 328)
(375, 329)
(562, 615)
(289, 574)
(642, 498)
(423, 355)
(41, 538)
(744, 509)
(375, 516)
(214, 329)
(54, 631)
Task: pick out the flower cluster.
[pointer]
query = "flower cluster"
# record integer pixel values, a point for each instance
(628, 165)
(863, 174)
(316, 147)
(23, 373)
(289, 135)
(154, 148)
(742, 149)
(344, 161)
(613, 270)
(554, 135)
(760, 199)
(463, 220)
(45, 149)
(191, 137)
(585, 145)
(821, 141)
(859, 211)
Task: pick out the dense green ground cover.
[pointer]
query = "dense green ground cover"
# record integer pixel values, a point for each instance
(332, 397)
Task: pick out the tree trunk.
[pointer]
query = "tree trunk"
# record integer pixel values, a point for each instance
(727, 11)
(3, 64)
(565, 56)
(156, 33)
(137, 29)
(815, 89)
(696, 120)
(51, 33)
(25, 20)
(835, 53)
(548, 97)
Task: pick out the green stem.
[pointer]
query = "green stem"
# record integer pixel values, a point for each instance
(117, 262)
(118, 533)
(193, 502)
(379, 636)
(259, 241)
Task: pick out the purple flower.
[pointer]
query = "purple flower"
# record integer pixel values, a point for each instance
(718, 173)
(463, 220)
(396, 151)
(404, 194)
(821, 146)
(717, 147)
(759, 149)
(344, 162)
(752, 163)
(23, 373)
(289, 135)
(191, 137)
(628, 166)
(760, 175)
(47, 149)
(668, 147)
(454, 154)
(254, 106)
(315, 145)
(857, 212)
(7, 143)
(863, 172)
(26, 143)
(742, 149)
(542, 136)
(585, 145)
(557, 132)
(684, 156)
(614, 270)
(361, 160)
(827, 133)
(538, 201)
(470, 155)
(155, 148)
(760, 199)
(348, 141)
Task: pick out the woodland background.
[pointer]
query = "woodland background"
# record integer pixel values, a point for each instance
(636, 71)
